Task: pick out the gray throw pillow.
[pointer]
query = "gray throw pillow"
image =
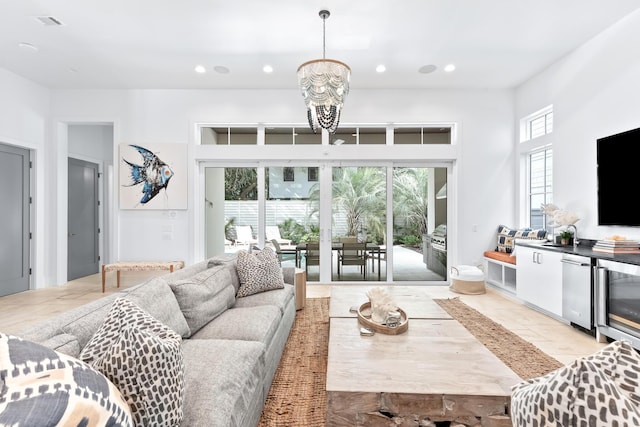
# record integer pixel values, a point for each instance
(258, 272)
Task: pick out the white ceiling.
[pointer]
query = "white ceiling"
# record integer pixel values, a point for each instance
(155, 44)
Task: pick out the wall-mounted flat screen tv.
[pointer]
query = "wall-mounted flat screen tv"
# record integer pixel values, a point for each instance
(618, 178)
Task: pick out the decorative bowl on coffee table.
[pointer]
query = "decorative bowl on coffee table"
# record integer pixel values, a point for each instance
(364, 317)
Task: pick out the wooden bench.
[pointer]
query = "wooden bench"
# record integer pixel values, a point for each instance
(138, 266)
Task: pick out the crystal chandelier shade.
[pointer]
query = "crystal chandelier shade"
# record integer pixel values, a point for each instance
(324, 84)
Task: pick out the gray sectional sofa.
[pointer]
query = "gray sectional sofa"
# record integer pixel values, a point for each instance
(231, 346)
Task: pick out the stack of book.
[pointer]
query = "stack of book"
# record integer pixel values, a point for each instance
(617, 246)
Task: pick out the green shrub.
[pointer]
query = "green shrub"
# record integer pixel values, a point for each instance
(409, 240)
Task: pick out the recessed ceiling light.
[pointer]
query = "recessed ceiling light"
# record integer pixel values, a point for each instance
(381, 68)
(267, 69)
(221, 69)
(28, 46)
(200, 69)
(426, 69)
(449, 68)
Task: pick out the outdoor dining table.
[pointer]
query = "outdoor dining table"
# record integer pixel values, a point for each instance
(372, 248)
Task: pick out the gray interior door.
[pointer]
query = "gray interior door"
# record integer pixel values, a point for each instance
(14, 217)
(83, 242)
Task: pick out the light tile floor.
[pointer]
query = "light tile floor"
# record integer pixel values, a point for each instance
(557, 339)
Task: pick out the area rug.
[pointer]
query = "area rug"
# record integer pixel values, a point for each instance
(524, 358)
(297, 396)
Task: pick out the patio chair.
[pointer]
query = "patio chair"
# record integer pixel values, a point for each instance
(311, 255)
(283, 254)
(273, 233)
(244, 235)
(353, 254)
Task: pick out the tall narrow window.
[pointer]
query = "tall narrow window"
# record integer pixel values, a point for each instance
(540, 185)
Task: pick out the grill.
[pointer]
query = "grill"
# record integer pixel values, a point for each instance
(439, 238)
(436, 254)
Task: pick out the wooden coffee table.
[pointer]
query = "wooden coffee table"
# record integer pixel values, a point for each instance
(435, 370)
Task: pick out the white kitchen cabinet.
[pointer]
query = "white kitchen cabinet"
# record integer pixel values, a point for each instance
(539, 278)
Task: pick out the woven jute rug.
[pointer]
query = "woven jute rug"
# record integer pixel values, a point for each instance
(298, 398)
(298, 394)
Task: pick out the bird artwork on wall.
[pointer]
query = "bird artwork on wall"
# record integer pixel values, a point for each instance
(144, 174)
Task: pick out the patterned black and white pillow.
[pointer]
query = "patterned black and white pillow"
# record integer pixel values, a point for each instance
(143, 358)
(258, 271)
(44, 388)
(601, 389)
(507, 237)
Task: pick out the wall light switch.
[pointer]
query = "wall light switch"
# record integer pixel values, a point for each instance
(474, 227)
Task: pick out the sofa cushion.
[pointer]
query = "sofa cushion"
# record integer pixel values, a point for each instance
(63, 343)
(156, 298)
(186, 272)
(507, 237)
(231, 262)
(41, 387)
(204, 296)
(223, 382)
(247, 323)
(81, 322)
(258, 271)
(501, 256)
(222, 260)
(277, 297)
(600, 389)
(143, 358)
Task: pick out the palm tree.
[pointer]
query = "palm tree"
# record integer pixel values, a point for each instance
(410, 198)
(359, 193)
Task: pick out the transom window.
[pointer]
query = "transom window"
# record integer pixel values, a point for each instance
(537, 124)
(357, 135)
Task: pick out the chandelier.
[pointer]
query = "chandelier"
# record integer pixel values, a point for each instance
(325, 85)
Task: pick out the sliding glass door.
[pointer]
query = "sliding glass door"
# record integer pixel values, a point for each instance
(358, 214)
(419, 226)
(310, 214)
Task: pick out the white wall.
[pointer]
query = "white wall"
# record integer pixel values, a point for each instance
(34, 117)
(595, 92)
(486, 153)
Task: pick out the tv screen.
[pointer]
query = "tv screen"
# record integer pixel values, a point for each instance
(618, 158)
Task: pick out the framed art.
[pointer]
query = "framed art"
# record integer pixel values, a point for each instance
(153, 176)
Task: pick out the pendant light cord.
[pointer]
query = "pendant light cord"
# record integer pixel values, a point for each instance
(324, 21)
